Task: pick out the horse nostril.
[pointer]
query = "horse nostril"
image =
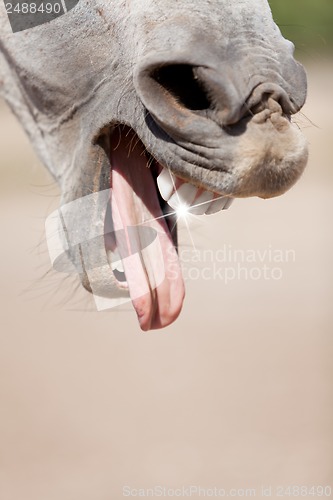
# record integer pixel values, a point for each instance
(178, 95)
(181, 96)
(191, 90)
(260, 96)
(182, 84)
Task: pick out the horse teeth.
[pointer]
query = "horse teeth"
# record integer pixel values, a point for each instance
(201, 203)
(177, 195)
(218, 204)
(115, 261)
(118, 266)
(184, 195)
(166, 184)
(228, 204)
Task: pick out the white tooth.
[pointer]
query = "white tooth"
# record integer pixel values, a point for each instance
(228, 204)
(166, 184)
(115, 261)
(119, 266)
(217, 205)
(201, 204)
(183, 196)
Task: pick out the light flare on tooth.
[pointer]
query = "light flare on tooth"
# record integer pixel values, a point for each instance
(184, 196)
(181, 195)
(202, 203)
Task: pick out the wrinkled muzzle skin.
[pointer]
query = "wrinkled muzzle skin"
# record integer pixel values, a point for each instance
(118, 88)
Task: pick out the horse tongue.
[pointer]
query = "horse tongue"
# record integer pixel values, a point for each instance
(152, 270)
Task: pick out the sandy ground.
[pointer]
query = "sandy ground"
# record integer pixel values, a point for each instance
(236, 394)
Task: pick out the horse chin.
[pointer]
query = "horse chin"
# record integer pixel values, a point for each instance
(270, 158)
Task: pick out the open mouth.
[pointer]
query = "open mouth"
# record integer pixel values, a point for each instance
(140, 236)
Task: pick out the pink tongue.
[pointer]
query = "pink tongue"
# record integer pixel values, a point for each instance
(153, 273)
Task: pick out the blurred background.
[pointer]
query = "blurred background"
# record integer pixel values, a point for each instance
(236, 394)
(308, 24)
